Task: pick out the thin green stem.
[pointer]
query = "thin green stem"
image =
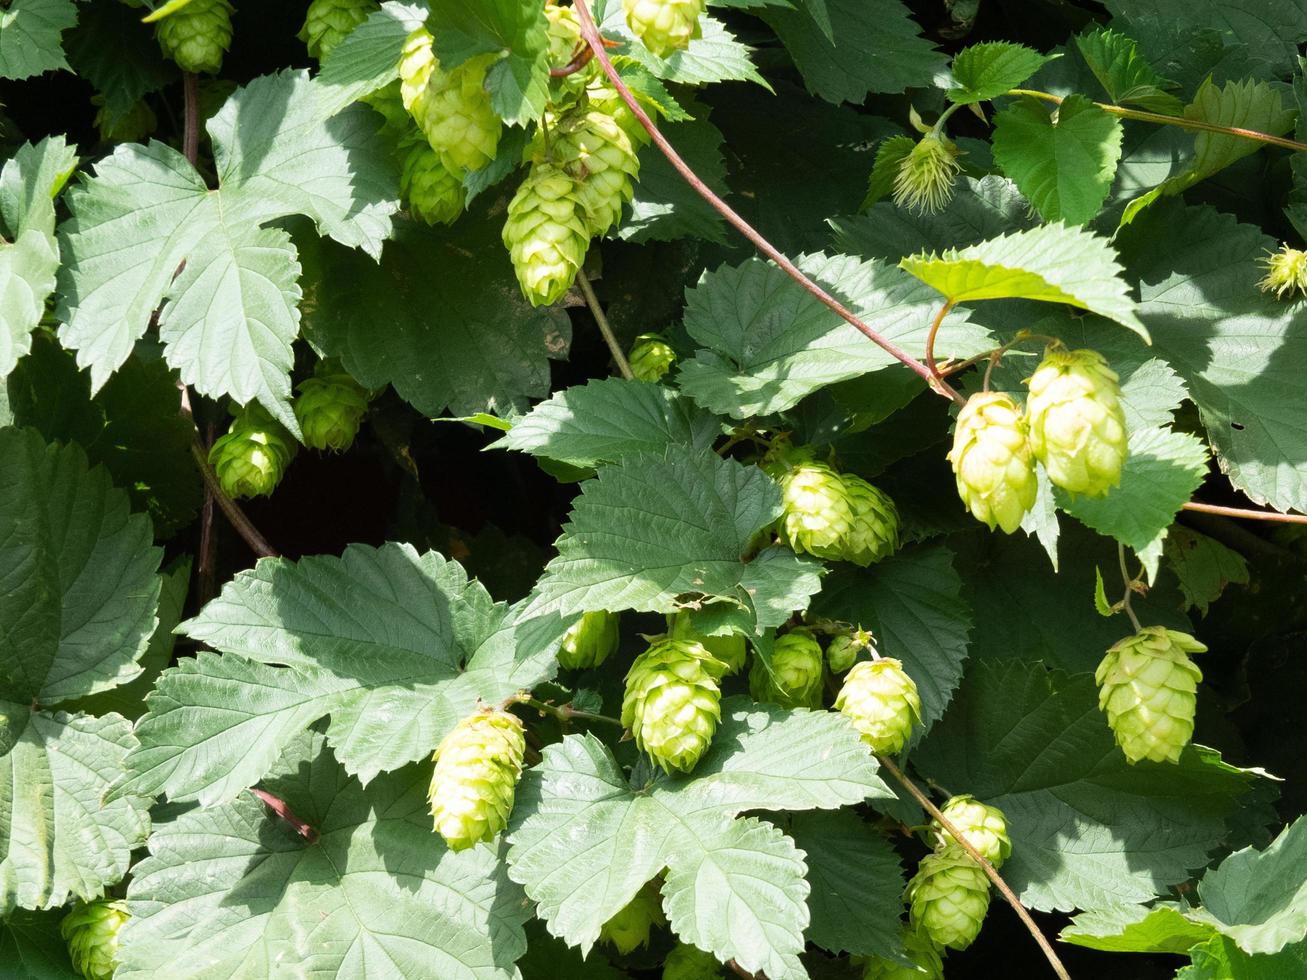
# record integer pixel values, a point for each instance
(936, 378)
(1126, 603)
(564, 713)
(597, 311)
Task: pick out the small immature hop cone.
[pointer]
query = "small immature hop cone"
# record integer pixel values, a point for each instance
(650, 357)
(664, 26)
(197, 36)
(1286, 272)
(546, 234)
(730, 650)
(433, 194)
(949, 897)
(920, 950)
(475, 779)
(984, 827)
(882, 702)
(794, 680)
(629, 929)
(992, 460)
(330, 407)
(1147, 686)
(595, 151)
(818, 513)
(672, 703)
(874, 523)
(925, 179)
(1077, 424)
(842, 652)
(589, 641)
(252, 457)
(328, 22)
(91, 932)
(687, 962)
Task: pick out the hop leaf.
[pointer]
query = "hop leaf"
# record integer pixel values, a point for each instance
(589, 641)
(664, 26)
(672, 702)
(687, 962)
(949, 897)
(1147, 686)
(91, 931)
(197, 35)
(874, 522)
(651, 357)
(1286, 272)
(600, 157)
(920, 950)
(434, 195)
(992, 460)
(330, 407)
(329, 21)
(546, 234)
(795, 678)
(477, 767)
(1077, 424)
(252, 457)
(882, 702)
(984, 827)
(817, 513)
(452, 107)
(629, 929)
(925, 179)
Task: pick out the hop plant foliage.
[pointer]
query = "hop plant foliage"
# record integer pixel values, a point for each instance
(651, 357)
(948, 899)
(1077, 424)
(686, 962)
(328, 22)
(330, 407)
(672, 702)
(664, 26)
(992, 461)
(475, 778)
(632, 927)
(925, 957)
(1147, 687)
(589, 641)
(197, 35)
(984, 827)
(882, 701)
(131, 126)
(794, 678)
(252, 457)
(546, 234)
(91, 932)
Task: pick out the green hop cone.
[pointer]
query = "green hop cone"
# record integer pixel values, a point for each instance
(992, 461)
(1077, 425)
(730, 650)
(664, 26)
(874, 523)
(1147, 686)
(948, 896)
(929, 965)
(796, 674)
(924, 182)
(417, 60)
(477, 767)
(601, 95)
(598, 154)
(1286, 272)
(650, 357)
(451, 107)
(197, 36)
(984, 827)
(564, 42)
(328, 22)
(629, 929)
(433, 194)
(687, 962)
(251, 458)
(817, 515)
(589, 641)
(672, 702)
(91, 932)
(330, 407)
(132, 126)
(882, 702)
(546, 234)
(842, 652)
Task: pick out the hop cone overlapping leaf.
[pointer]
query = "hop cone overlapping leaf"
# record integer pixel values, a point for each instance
(948, 899)
(328, 22)
(475, 778)
(992, 461)
(882, 701)
(589, 641)
(795, 677)
(1147, 686)
(330, 407)
(590, 146)
(873, 525)
(1077, 424)
(664, 26)
(91, 932)
(452, 107)
(197, 35)
(434, 195)
(630, 928)
(731, 650)
(651, 357)
(251, 458)
(984, 827)
(837, 515)
(928, 964)
(672, 702)
(546, 234)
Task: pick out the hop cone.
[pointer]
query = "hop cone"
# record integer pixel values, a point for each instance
(842, 652)
(131, 126)
(472, 788)
(1286, 272)
(564, 41)
(197, 36)
(794, 680)
(417, 61)
(330, 406)
(252, 457)
(589, 641)
(650, 357)
(882, 702)
(629, 929)
(729, 650)
(434, 195)
(546, 234)
(818, 514)
(601, 95)
(1077, 426)
(1148, 686)
(595, 151)
(920, 950)
(452, 107)
(874, 525)
(984, 827)
(91, 932)
(687, 962)
(664, 26)
(924, 182)
(329, 21)
(992, 461)
(672, 702)
(949, 897)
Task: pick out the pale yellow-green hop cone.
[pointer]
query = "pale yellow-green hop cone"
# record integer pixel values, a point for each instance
(925, 179)
(672, 703)
(664, 26)
(992, 461)
(842, 652)
(629, 929)
(251, 458)
(91, 932)
(197, 36)
(984, 827)
(433, 194)
(818, 515)
(730, 650)
(795, 678)
(589, 641)
(873, 522)
(1077, 424)
(546, 234)
(477, 767)
(650, 357)
(1286, 272)
(881, 700)
(598, 154)
(601, 95)
(328, 22)
(1147, 686)
(417, 61)
(330, 407)
(564, 42)
(457, 115)
(687, 962)
(131, 126)
(948, 896)
(920, 950)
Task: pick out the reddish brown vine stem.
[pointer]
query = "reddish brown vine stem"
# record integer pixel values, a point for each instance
(1245, 513)
(939, 383)
(597, 44)
(985, 866)
(279, 807)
